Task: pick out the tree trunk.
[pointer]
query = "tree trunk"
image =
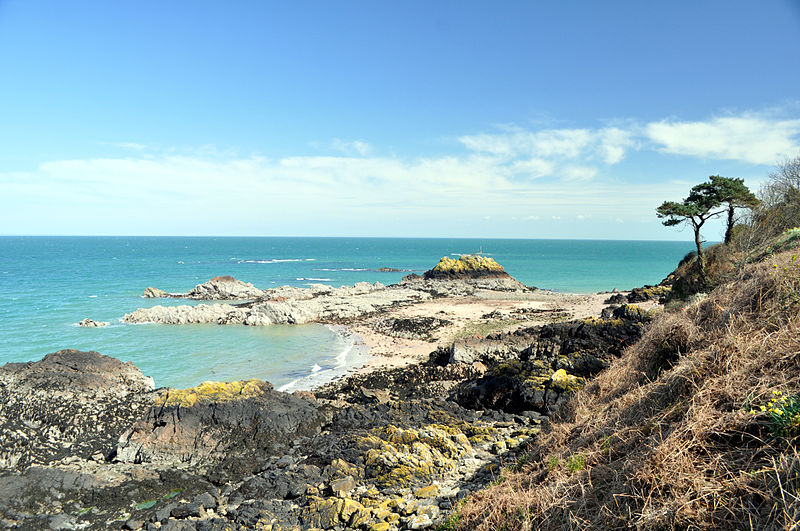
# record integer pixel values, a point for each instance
(729, 227)
(701, 259)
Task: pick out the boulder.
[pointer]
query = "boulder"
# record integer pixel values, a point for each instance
(70, 404)
(235, 426)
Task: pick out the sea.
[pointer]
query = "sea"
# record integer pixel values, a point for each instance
(48, 284)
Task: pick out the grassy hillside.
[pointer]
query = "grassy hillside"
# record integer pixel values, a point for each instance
(697, 426)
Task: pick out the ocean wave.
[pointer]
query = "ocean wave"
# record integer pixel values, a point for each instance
(340, 269)
(353, 354)
(314, 279)
(270, 261)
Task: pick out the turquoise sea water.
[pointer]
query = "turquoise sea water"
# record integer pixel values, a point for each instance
(47, 284)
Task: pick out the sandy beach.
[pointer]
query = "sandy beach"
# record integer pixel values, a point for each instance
(485, 312)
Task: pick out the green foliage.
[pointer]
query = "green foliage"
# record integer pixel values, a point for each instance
(784, 414)
(706, 200)
(576, 463)
(730, 192)
(453, 519)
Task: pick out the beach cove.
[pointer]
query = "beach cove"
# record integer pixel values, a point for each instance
(465, 363)
(51, 284)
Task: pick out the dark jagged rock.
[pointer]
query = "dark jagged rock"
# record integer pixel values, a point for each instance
(411, 327)
(554, 364)
(658, 293)
(71, 403)
(234, 432)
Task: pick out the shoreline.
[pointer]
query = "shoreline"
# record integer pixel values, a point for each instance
(447, 380)
(387, 352)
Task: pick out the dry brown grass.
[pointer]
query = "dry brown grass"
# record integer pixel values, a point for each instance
(664, 438)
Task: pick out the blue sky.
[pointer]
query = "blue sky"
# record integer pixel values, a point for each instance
(456, 119)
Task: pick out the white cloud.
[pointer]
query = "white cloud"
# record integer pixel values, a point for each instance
(747, 138)
(351, 147)
(135, 146)
(614, 143)
(564, 175)
(579, 173)
(560, 143)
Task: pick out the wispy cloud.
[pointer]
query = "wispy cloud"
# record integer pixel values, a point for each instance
(748, 138)
(351, 147)
(548, 178)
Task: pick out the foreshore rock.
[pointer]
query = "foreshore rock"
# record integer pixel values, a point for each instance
(70, 403)
(218, 288)
(287, 305)
(91, 445)
(320, 303)
(235, 426)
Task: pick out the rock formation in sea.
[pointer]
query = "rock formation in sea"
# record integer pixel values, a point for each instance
(320, 303)
(218, 288)
(89, 323)
(467, 266)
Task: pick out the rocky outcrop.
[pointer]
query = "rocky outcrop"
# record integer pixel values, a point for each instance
(89, 323)
(224, 288)
(466, 266)
(240, 455)
(70, 403)
(539, 368)
(462, 287)
(288, 306)
(658, 293)
(235, 426)
(155, 293)
(218, 288)
(420, 328)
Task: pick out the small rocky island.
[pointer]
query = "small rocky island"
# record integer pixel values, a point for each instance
(87, 442)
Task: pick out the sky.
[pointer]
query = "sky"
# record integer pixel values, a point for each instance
(512, 119)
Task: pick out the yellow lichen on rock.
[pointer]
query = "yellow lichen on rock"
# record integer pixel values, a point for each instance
(566, 382)
(468, 263)
(210, 392)
(427, 492)
(404, 457)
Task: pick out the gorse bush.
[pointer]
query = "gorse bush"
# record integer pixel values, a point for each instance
(784, 414)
